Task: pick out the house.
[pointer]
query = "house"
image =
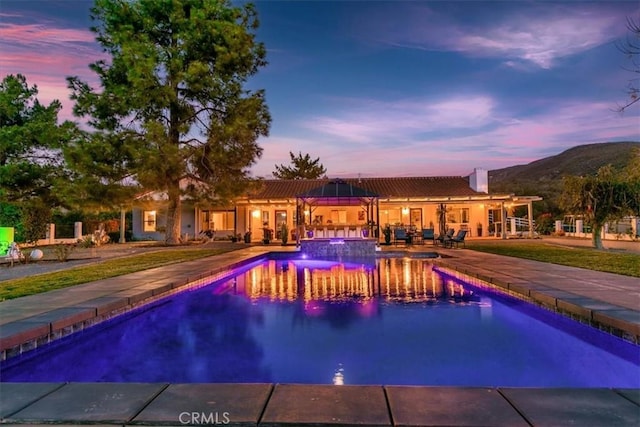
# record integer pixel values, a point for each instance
(424, 202)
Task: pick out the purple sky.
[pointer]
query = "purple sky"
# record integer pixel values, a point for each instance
(405, 88)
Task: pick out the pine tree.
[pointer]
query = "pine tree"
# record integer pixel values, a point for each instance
(302, 168)
(172, 107)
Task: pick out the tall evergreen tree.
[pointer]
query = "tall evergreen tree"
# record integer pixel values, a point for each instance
(173, 107)
(302, 167)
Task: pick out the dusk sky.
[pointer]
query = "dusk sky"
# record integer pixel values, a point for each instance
(405, 88)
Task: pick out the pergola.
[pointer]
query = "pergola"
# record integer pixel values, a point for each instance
(337, 193)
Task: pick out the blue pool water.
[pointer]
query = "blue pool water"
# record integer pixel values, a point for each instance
(387, 321)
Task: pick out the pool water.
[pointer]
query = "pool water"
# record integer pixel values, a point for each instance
(386, 321)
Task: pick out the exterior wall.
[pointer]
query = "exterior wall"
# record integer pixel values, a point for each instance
(252, 216)
(188, 222)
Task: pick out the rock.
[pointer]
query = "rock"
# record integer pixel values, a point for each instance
(36, 254)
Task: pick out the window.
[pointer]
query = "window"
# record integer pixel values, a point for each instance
(222, 220)
(460, 215)
(391, 216)
(206, 221)
(464, 215)
(148, 220)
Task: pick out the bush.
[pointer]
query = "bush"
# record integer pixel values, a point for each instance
(63, 251)
(86, 242)
(35, 219)
(114, 236)
(545, 224)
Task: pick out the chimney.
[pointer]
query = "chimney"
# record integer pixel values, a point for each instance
(479, 180)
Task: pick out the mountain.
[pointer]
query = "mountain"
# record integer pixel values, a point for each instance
(544, 177)
(580, 160)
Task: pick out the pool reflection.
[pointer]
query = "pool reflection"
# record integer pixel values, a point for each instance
(387, 279)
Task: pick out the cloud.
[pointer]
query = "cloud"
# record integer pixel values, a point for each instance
(421, 137)
(540, 41)
(46, 54)
(538, 34)
(40, 35)
(371, 120)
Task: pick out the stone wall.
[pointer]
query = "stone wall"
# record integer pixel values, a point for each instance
(338, 247)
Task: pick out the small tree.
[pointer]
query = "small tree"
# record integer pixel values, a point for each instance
(605, 197)
(36, 216)
(302, 168)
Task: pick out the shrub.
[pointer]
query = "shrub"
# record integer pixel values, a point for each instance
(545, 224)
(86, 242)
(35, 219)
(63, 251)
(114, 236)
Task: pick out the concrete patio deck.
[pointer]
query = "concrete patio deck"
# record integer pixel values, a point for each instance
(608, 301)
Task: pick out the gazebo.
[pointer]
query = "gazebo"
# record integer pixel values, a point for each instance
(338, 193)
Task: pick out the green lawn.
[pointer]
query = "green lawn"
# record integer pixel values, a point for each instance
(102, 270)
(610, 261)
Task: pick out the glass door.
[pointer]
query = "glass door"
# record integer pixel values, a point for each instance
(281, 218)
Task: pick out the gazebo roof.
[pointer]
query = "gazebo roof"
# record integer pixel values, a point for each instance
(337, 192)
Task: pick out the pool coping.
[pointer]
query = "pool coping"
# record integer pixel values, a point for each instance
(265, 404)
(290, 404)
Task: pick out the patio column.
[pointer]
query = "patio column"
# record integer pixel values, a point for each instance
(558, 226)
(51, 235)
(503, 225)
(530, 216)
(122, 225)
(77, 230)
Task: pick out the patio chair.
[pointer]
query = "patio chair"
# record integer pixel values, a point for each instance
(459, 238)
(400, 233)
(444, 239)
(428, 234)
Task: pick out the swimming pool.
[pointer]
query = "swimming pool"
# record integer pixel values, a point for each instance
(380, 321)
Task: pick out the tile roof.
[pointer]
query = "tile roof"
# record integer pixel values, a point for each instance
(436, 186)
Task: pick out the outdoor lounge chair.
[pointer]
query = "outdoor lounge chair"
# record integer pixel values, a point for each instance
(428, 234)
(459, 238)
(400, 233)
(444, 239)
